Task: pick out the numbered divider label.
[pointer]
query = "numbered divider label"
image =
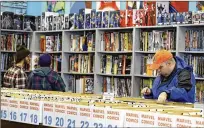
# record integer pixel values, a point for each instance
(98, 117)
(60, 114)
(114, 118)
(13, 110)
(183, 121)
(164, 120)
(23, 112)
(198, 122)
(4, 108)
(72, 112)
(35, 116)
(84, 117)
(132, 118)
(148, 119)
(48, 114)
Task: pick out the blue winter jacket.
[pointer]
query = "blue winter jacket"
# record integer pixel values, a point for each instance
(171, 86)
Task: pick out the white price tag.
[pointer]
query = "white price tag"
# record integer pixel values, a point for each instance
(23, 112)
(60, 114)
(148, 119)
(35, 109)
(13, 110)
(108, 96)
(72, 112)
(132, 118)
(98, 117)
(183, 121)
(48, 114)
(84, 116)
(114, 118)
(164, 120)
(4, 108)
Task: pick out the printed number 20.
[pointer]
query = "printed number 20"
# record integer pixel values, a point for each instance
(84, 124)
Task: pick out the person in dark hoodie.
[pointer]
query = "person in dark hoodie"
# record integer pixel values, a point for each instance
(44, 78)
(176, 81)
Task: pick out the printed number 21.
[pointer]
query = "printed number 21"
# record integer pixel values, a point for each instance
(71, 122)
(84, 124)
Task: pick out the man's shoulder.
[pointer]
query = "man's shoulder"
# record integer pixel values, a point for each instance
(184, 72)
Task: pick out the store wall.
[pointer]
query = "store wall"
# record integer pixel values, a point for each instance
(36, 8)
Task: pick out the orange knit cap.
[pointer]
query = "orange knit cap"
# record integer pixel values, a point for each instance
(160, 57)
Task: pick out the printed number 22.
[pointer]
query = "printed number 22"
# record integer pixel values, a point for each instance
(84, 124)
(98, 125)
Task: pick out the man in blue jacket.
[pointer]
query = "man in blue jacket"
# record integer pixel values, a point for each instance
(175, 82)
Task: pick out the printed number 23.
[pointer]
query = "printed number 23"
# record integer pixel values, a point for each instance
(84, 124)
(98, 125)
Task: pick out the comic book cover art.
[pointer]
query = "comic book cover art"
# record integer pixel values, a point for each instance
(137, 22)
(81, 18)
(71, 21)
(49, 43)
(188, 18)
(196, 17)
(7, 21)
(50, 23)
(129, 18)
(161, 8)
(38, 23)
(93, 18)
(98, 19)
(142, 17)
(123, 17)
(105, 19)
(150, 14)
(178, 18)
(167, 18)
(76, 21)
(88, 21)
(117, 19)
(201, 17)
(61, 22)
(159, 19)
(18, 22)
(66, 22)
(112, 16)
(29, 23)
(134, 16)
(173, 18)
(182, 15)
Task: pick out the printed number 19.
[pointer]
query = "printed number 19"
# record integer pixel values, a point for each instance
(48, 120)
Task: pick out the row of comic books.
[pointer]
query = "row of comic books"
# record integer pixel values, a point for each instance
(81, 63)
(197, 62)
(157, 39)
(51, 43)
(116, 64)
(190, 17)
(194, 40)
(120, 87)
(18, 22)
(10, 41)
(116, 41)
(83, 43)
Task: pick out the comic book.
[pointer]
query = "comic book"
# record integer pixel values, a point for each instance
(88, 21)
(66, 21)
(117, 19)
(196, 17)
(7, 21)
(76, 21)
(123, 17)
(71, 21)
(129, 18)
(111, 17)
(29, 23)
(93, 18)
(105, 19)
(18, 22)
(173, 18)
(99, 19)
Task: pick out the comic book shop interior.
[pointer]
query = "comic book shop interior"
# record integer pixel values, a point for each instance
(102, 64)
